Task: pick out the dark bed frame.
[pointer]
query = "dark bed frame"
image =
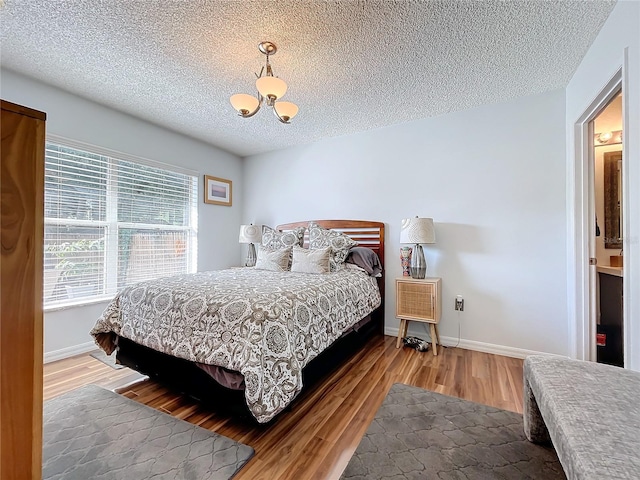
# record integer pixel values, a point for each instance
(186, 377)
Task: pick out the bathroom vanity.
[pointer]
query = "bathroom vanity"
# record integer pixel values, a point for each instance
(610, 326)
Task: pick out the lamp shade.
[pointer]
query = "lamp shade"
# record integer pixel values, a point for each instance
(417, 230)
(271, 86)
(286, 110)
(250, 233)
(243, 101)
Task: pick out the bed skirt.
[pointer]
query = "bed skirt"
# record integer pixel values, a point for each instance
(191, 379)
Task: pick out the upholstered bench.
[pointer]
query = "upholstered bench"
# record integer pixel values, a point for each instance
(590, 412)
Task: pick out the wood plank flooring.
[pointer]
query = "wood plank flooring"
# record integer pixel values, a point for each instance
(316, 437)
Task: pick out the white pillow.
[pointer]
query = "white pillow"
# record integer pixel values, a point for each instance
(311, 261)
(276, 260)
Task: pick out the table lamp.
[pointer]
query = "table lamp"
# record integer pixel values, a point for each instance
(416, 231)
(250, 234)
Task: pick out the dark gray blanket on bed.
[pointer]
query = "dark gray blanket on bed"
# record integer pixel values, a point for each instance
(366, 259)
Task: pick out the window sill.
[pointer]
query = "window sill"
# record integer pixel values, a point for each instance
(78, 303)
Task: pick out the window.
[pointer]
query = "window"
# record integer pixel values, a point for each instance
(111, 221)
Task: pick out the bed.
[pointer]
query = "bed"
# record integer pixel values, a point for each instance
(249, 340)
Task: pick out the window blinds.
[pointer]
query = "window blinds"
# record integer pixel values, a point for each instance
(111, 222)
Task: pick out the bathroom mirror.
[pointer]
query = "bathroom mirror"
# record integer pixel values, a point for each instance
(613, 199)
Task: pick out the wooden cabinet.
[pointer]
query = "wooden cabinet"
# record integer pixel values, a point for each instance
(21, 345)
(610, 347)
(419, 300)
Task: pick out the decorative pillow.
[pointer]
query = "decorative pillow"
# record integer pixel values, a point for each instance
(340, 243)
(273, 239)
(311, 261)
(276, 260)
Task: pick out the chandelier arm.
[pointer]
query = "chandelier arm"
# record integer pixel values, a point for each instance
(251, 114)
(275, 112)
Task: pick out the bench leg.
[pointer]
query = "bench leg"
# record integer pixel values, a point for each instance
(534, 427)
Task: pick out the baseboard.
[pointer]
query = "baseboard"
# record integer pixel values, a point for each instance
(477, 346)
(391, 331)
(69, 352)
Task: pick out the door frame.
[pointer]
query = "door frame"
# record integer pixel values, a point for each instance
(581, 212)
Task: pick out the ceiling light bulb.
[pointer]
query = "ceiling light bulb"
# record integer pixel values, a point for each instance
(604, 137)
(271, 87)
(285, 110)
(244, 103)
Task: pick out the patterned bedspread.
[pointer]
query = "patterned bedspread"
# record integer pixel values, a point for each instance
(266, 325)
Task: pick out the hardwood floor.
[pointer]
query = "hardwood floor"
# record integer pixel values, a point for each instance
(316, 437)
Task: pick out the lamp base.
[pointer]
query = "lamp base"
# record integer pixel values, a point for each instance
(251, 256)
(418, 263)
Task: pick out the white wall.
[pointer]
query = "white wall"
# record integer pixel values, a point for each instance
(493, 179)
(67, 331)
(619, 39)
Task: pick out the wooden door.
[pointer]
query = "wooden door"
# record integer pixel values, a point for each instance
(21, 343)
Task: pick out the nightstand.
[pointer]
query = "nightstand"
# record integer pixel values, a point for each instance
(419, 300)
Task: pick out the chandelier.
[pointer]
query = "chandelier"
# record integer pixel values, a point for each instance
(270, 90)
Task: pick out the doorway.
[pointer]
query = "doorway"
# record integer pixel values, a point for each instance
(606, 288)
(582, 218)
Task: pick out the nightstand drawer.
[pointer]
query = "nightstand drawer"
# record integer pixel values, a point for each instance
(418, 299)
(415, 300)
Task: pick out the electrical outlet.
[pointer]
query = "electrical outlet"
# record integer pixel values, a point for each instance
(459, 306)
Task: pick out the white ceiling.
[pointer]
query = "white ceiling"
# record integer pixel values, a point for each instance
(350, 65)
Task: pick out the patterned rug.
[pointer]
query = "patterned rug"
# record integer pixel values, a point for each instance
(107, 359)
(93, 433)
(418, 434)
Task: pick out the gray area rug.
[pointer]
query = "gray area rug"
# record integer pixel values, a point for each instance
(107, 359)
(93, 433)
(418, 434)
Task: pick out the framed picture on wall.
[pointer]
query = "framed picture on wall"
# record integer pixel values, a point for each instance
(217, 191)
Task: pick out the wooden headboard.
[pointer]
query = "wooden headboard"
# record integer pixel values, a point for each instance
(366, 233)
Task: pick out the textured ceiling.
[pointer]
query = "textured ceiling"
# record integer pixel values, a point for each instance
(610, 119)
(350, 65)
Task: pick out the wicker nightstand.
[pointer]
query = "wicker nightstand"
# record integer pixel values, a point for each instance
(419, 300)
